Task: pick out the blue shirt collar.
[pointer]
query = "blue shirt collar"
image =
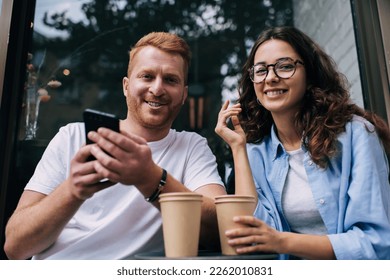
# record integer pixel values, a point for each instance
(277, 146)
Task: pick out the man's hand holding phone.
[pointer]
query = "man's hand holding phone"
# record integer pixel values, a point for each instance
(124, 158)
(93, 120)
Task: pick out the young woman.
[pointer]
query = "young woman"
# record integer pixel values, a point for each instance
(315, 160)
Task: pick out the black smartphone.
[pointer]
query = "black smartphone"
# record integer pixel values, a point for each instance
(94, 119)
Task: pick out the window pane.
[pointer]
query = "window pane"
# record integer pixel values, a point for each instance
(79, 56)
(84, 44)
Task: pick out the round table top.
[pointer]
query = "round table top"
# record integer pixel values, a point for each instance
(206, 255)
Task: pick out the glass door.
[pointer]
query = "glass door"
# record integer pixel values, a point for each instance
(77, 55)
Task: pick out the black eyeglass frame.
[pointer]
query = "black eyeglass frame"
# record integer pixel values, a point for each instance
(251, 70)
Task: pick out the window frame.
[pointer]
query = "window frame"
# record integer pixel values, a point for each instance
(15, 37)
(373, 46)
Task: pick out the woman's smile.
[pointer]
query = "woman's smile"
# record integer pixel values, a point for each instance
(272, 93)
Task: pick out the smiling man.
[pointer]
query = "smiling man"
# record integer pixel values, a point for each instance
(68, 212)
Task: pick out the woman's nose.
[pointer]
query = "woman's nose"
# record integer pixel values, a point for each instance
(271, 75)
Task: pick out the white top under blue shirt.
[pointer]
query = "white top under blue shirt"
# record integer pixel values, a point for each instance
(352, 194)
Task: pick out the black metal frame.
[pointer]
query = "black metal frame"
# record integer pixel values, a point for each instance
(20, 16)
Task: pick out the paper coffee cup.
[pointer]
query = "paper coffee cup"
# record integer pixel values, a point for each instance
(181, 214)
(228, 206)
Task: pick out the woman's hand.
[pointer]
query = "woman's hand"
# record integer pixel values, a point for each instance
(236, 139)
(256, 237)
(232, 137)
(259, 237)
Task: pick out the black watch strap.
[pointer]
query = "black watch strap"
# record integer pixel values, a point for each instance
(161, 185)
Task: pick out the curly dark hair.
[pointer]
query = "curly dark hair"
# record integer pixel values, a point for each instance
(326, 106)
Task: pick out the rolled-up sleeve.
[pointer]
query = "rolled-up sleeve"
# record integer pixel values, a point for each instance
(364, 233)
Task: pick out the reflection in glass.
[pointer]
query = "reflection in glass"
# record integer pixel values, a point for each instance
(84, 45)
(35, 94)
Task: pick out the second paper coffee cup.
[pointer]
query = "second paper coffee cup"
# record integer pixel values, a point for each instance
(228, 206)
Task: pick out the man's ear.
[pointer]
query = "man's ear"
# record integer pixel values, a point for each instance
(125, 85)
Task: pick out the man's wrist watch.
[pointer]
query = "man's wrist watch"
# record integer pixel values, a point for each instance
(161, 185)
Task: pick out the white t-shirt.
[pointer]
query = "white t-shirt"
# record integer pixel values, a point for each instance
(117, 222)
(297, 199)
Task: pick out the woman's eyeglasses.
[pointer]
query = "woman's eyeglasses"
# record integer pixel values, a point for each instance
(283, 69)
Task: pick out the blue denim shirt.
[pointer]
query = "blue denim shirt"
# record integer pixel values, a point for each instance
(352, 194)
